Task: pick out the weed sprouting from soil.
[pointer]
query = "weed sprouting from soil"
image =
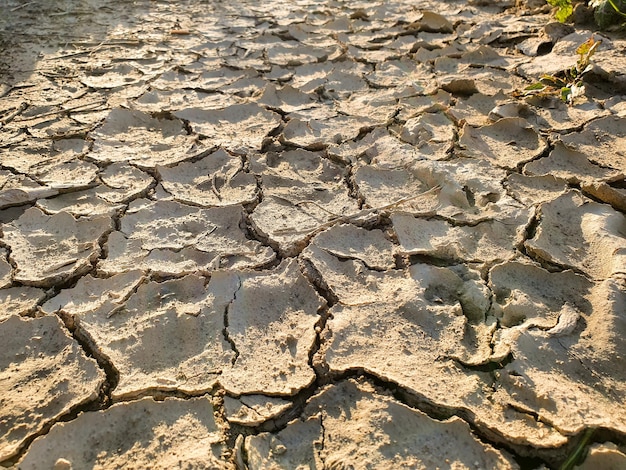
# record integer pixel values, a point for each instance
(568, 84)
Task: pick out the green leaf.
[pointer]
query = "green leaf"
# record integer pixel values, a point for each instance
(551, 80)
(588, 48)
(564, 13)
(560, 3)
(535, 87)
(585, 51)
(577, 454)
(585, 47)
(619, 6)
(564, 9)
(609, 12)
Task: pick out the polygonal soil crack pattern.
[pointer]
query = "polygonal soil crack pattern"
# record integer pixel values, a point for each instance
(300, 234)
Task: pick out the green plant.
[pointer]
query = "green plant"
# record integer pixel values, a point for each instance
(606, 12)
(567, 84)
(564, 9)
(576, 455)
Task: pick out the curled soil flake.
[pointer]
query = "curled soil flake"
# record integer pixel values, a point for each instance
(43, 374)
(571, 378)
(16, 190)
(432, 133)
(112, 76)
(55, 164)
(6, 270)
(350, 242)
(122, 182)
(79, 203)
(579, 233)
(292, 53)
(302, 194)
(572, 166)
(603, 141)
(379, 106)
(253, 410)
(460, 189)
(380, 148)
(533, 190)
(605, 456)
(317, 134)
(145, 141)
(48, 249)
(353, 425)
(20, 300)
(216, 180)
(175, 239)
(167, 336)
(487, 242)
(286, 98)
(237, 127)
(141, 434)
(384, 321)
(528, 293)
(271, 321)
(94, 295)
(507, 143)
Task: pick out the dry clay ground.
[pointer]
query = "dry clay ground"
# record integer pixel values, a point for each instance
(302, 234)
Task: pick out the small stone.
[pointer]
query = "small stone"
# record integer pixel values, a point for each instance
(62, 464)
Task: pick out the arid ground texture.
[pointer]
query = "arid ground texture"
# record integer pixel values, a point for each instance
(309, 234)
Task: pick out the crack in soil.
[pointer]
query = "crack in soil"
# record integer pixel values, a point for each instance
(226, 323)
(360, 44)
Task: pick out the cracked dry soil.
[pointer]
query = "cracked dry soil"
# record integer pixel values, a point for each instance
(306, 234)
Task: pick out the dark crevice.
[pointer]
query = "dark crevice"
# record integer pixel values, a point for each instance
(489, 367)
(64, 282)
(530, 231)
(322, 444)
(618, 183)
(279, 422)
(101, 402)
(544, 154)
(408, 397)
(440, 412)
(103, 240)
(159, 394)
(91, 350)
(344, 259)
(353, 188)
(317, 280)
(433, 260)
(70, 415)
(225, 332)
(470, 196)
(553, 267)
(254, 234)
(240, 456)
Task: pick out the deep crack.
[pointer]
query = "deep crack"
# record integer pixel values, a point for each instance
(226, 322)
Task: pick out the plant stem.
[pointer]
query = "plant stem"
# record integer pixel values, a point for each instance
(578, 451)
(617, 10)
